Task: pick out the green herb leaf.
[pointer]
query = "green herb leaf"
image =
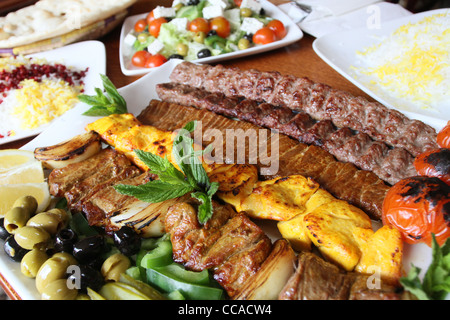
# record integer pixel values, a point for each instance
(172, 182)
(205, 209)
(104, 104)
(154, 191)
(436, 281)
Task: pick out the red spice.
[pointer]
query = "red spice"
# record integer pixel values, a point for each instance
(10, 80)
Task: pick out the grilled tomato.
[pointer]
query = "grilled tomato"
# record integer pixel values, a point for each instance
(434, 163)
(443, 137)
(417, 207)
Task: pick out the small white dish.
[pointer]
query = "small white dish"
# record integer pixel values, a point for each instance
(81, 55)
(293, 34)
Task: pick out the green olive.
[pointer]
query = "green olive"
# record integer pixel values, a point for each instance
(142, 37)
(59, 290)
(28, 202)
(246, 12)
(51, 223)
(63, 215)
(182, 49)
(114, 266)
(65, 257)
(54, 268)
(243, 44)
(31, 237)
(178, 6)
(82, 296)
(16, 218)
(32, 261)
(199, 37)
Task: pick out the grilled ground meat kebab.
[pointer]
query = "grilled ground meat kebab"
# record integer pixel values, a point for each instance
(318, 100)
(390, 164)
(361, 188)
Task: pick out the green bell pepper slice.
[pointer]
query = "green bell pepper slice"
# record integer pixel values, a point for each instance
(163, 279)
(160, 256)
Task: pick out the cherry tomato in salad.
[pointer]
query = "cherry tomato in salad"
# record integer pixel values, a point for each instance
(434, 163)
(238, 2)
(155, 25)
(140, 25)
(443, 137)
(264, 35)
(419, 207)
(221, 25)
(140, 57)
(150, 17)
(199, 25)
(155, 60)
(278, 27)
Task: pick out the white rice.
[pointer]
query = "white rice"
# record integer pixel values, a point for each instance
(412, 64)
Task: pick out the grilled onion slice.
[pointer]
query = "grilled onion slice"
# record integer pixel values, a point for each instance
(270, 279)
(74, 150)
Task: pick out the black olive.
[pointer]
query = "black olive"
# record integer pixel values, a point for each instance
(211, 33)
(89, 248)
(193, 2)
(97, 262)
(262, 12)
(3, 232)
(204, 53)
(13, 250)
(127, 241)
(88, 277)
(176, 56)
(249, 37)
(64, 240)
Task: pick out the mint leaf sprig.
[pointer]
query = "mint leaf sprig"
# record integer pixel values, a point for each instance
(172, 182)
(104, 104)
(436, 281)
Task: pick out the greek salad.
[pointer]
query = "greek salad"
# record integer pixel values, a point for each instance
(196, 29)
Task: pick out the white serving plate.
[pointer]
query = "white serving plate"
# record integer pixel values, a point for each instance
(81, 55)
(293, 34)
(339, 50)
(138, 95)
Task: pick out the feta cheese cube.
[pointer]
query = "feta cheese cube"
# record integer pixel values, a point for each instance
(129, 39)
(180, 24)
(212, 12)
(155, 47)
(251, 25)
(221, 3)
(254, 5)
(165, 12)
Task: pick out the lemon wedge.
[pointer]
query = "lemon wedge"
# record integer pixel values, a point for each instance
(9, 193)
(31, 172)
(12, 158)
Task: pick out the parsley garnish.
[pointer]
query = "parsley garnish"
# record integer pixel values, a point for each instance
(172, 182)
(436, 281)
(104, 104)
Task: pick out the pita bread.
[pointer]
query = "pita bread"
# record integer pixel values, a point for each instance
(51, 18)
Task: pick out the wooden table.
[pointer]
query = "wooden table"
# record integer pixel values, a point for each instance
(298, 59)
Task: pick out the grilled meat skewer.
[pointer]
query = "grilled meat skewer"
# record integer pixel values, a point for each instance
(390, 164)
(318, 100)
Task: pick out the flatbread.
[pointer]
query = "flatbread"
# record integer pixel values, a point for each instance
(51, 18)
